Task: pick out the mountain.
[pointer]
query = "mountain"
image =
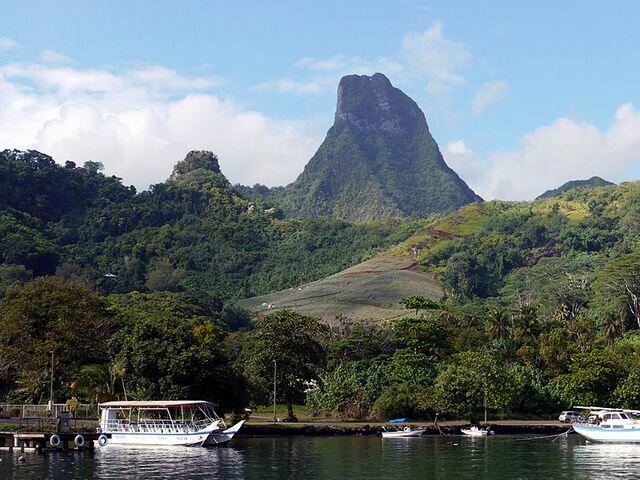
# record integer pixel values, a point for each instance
(378, 160)
(591, 182)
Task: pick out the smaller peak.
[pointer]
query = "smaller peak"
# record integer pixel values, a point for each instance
(194, 160)
(594, 181)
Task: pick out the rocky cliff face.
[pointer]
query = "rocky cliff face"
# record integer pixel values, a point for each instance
(377, 160)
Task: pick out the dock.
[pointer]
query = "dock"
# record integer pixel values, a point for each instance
(40, 441)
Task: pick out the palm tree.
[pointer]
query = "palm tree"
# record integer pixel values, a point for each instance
(526, 322)
(612, 326)
(102, 382)
(498, 323)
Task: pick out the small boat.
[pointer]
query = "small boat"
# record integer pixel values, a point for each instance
(399, 420)
(610, 425)
(405, 432)
(168, 423)
(474, 431)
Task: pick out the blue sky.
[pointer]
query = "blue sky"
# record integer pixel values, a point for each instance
(520, 97)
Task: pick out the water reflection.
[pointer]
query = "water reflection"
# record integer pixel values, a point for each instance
(116, 462)
(599, 460)
(370, 458)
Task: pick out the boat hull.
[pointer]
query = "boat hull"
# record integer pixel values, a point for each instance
(596, 433)
(219, 437)
(194, 439)
(473, 433)
(402, 434)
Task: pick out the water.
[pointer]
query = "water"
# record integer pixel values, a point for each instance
(309, 458)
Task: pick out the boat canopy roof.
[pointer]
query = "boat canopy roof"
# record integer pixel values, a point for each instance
(606, 409)
(155, 404)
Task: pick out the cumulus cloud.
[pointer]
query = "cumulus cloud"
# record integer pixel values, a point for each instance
(135, 124)
(464, 162)
(550, 155)
(438, 58)
(7, 44)
(487, 94)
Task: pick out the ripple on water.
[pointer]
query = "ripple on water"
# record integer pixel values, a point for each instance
(355, 458)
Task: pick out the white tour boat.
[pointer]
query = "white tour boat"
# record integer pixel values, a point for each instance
(405, 432)
(474, 431)
(610, 425)
(169, 423)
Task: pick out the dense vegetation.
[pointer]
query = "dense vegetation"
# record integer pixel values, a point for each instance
(192, 233)
(542, 309)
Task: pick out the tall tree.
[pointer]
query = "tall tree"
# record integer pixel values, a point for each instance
(50, 315)
(173, 349)
(618, 284)
(296, 344)
(473, 381)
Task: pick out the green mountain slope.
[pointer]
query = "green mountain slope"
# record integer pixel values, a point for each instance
(378, 160)
(591, 182)
(552, 254)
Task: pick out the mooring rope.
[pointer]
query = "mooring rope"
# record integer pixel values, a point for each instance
(555, 436)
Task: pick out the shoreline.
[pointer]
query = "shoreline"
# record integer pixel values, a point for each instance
(334, 429)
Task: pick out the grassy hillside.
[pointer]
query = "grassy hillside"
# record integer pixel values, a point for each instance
(369, 291)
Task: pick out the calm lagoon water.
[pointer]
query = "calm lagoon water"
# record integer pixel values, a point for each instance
(306, 458)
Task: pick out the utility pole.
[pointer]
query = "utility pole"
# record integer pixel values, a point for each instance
(275, 373)
(124, 389)
(485, 404)
(51, 392)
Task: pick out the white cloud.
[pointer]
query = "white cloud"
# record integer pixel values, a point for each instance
(322, 75)
(439, 59)
(165, 78)
(7, 44)
(464, 162)
(551, 155)
(427, 59)
(51, 56)
(488, 94)
(134, 124)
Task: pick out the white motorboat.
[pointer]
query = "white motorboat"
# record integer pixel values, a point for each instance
(610, 425)
(475, 431)
(405, 432)
(168, 423)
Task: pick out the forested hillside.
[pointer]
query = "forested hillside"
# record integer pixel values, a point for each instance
(192, 233)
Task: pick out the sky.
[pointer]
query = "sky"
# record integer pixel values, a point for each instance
(520, 96)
